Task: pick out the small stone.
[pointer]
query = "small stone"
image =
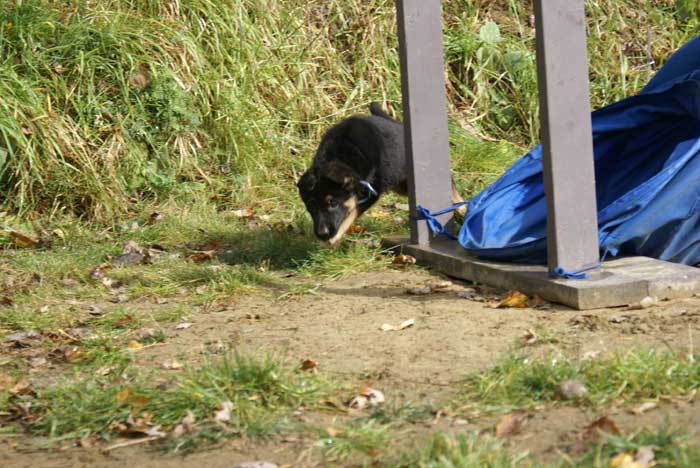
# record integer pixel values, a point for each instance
(571, 390)
(119, 298)
(422, 291)
(23, 339)
(648, 302)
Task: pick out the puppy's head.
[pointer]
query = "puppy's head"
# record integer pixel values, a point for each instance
(330, 195)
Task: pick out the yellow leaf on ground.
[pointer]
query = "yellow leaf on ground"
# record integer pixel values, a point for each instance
(511, 423)
(123, 395)
(24, 241)
(514, 299)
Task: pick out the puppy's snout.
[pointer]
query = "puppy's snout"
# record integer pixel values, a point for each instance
(323, 232)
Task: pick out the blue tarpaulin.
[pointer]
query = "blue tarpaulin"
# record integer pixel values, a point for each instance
(647, 167)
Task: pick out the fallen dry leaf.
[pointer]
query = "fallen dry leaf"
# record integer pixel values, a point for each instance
(603, 424)
(514, 299)
(24, 241)
(441, 285)
(645, 456)
(183, 325)
(355, 229)
(224, 414)
(186, 425)
(73, 354)
(155, 217)
(203, 256)
(22, 387)
(105, 370)
(242, 213)
(138, 427)
(623, 460)
(537, 301)
(172, 365)
(404, 259)
(528, 338)
(124, 321)
(123, 395)
(5, 382)
(6, 301)
(308, 364)
(405, 324)
(511, 423)
(367, 396)
(644, 407)
(134, 345)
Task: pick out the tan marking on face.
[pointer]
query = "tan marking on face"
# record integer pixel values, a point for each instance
(351, 205)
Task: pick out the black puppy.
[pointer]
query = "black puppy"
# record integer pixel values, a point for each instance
(358, 160)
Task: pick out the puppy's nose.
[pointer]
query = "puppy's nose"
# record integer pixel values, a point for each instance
(323, 233)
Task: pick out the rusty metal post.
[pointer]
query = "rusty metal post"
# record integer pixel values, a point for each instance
(567, 146)
(424, 110)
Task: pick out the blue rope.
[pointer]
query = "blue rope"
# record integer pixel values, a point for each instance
(434, 225)
(559, 272)
(582, 274)
(437, 228)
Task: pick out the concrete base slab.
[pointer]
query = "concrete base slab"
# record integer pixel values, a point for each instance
(619, 282)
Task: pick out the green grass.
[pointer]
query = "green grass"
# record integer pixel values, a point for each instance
(359, 437)
(671, 448)
(263, 393)
(525, 382)
(464, 451)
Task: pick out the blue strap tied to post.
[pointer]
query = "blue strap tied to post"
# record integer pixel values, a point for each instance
(434, 225)
(559, 272)
(437, 228)
(582, 274)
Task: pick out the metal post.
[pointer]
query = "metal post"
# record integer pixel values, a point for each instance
(567, 146)
(424, 110)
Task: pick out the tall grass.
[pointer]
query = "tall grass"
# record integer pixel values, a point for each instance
(107, 104)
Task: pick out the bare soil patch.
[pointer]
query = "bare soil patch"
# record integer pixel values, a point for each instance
(340, 328)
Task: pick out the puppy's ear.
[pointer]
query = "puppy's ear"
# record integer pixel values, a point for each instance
(342, 174)
(307, 182)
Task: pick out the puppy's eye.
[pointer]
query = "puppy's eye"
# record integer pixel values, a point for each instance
(332, 202)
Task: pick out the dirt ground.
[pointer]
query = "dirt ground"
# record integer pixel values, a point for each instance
(340, 328)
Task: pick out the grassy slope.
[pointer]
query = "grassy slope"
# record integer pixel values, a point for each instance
(108, 104)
